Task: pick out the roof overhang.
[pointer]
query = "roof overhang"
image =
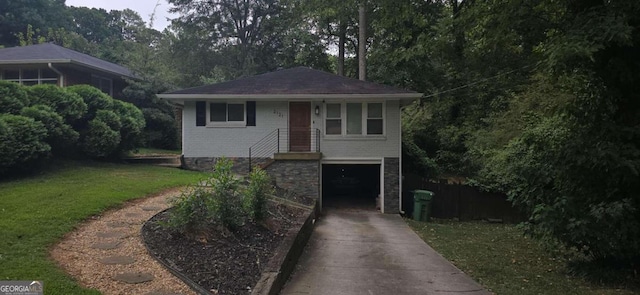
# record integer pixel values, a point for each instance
(45, 62)
(405, 98)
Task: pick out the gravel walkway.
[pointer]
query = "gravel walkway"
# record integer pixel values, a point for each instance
(106, 252)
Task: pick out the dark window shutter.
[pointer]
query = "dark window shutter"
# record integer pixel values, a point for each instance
(201, 113)
(251, 113)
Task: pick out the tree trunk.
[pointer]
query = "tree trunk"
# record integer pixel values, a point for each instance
(362, 42)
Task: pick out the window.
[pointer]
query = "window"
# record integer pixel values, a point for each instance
(374, 118)
(334, 119)
(104, 84)
(30, 77)
(360, 119)
(222, 113)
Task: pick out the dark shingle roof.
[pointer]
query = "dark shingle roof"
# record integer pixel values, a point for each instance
(299, 80)
(51, 53)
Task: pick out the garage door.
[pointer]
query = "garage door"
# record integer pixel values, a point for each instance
(350, 186)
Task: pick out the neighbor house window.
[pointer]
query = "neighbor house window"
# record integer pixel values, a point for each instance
(359, 119)
(334, 118)
(30, 77)
(223, 113)
(104, 84)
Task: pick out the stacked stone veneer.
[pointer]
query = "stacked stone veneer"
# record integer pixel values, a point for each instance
(240, 165)
(391, 185)
(299, 176)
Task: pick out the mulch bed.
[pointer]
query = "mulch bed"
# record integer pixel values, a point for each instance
(221, 261)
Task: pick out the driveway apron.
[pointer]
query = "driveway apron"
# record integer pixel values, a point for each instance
(366, 252)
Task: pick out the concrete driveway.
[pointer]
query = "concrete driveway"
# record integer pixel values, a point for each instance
(366, 252)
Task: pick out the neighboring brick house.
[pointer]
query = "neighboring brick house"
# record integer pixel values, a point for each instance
(52, 64)
(317, 134)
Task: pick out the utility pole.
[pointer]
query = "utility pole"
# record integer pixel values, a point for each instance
(362, 41)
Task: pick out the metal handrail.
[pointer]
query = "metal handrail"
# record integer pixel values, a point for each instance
(285, 140)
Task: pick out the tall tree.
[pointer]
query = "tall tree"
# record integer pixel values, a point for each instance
(15, 15)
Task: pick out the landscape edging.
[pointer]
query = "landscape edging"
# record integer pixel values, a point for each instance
(285, 257)
(277, 271)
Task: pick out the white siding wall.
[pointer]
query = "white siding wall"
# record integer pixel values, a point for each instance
(363, 147)
(202, 141)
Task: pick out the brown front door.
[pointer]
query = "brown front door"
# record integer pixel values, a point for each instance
(300, 126)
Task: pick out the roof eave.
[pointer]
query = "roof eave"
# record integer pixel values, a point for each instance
(405, 97)
(65, 61)
(34, 61)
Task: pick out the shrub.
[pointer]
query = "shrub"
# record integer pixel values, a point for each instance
(132, 125)
(60, 136)
(216, 202)
(93, 97)
(100, 140)
(22, 143)
(256, 194)
(13, 97)
(226, 192)
(110, 118)
(67, 104)
(161, 130)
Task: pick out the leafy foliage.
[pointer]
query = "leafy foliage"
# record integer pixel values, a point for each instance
(100, 141)
(22, 143)
(60, 136)
(257, 192)
(13, 98)
(218, 201)
(67, 104)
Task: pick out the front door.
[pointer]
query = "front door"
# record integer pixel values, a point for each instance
(300, 126)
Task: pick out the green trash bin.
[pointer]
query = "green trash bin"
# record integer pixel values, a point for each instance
(422, 205)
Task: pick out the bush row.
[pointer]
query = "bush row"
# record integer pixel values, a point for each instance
(44, 121)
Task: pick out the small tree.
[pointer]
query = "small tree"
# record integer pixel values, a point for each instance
(256, 194)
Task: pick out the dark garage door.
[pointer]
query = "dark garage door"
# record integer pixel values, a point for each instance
(350, 186)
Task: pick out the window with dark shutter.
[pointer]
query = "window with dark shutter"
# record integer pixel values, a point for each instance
(201, 113)
(251, 113)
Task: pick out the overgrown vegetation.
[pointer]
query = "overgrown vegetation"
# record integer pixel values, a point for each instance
(506, 261)
(37, 211)
(217, 202)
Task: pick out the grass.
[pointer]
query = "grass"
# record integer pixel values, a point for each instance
(37, 211)
(502, 259)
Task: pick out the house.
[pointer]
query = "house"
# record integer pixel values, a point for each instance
(317, 133)
(52, 64)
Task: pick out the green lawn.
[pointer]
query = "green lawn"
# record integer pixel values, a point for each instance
(37, 211)
(502, 259)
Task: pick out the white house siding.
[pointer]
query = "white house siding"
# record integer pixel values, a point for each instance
(232, 142)
(365, 147)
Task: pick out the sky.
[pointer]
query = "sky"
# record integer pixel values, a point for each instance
(142, 7)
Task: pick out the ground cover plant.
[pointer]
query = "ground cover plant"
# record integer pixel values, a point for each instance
(37, 211)
(504, 260)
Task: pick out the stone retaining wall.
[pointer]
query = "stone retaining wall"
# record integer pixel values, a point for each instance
(298, 176)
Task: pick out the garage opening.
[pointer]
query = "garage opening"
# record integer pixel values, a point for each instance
(354, 186)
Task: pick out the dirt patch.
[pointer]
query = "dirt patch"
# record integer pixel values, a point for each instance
(220, 261)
